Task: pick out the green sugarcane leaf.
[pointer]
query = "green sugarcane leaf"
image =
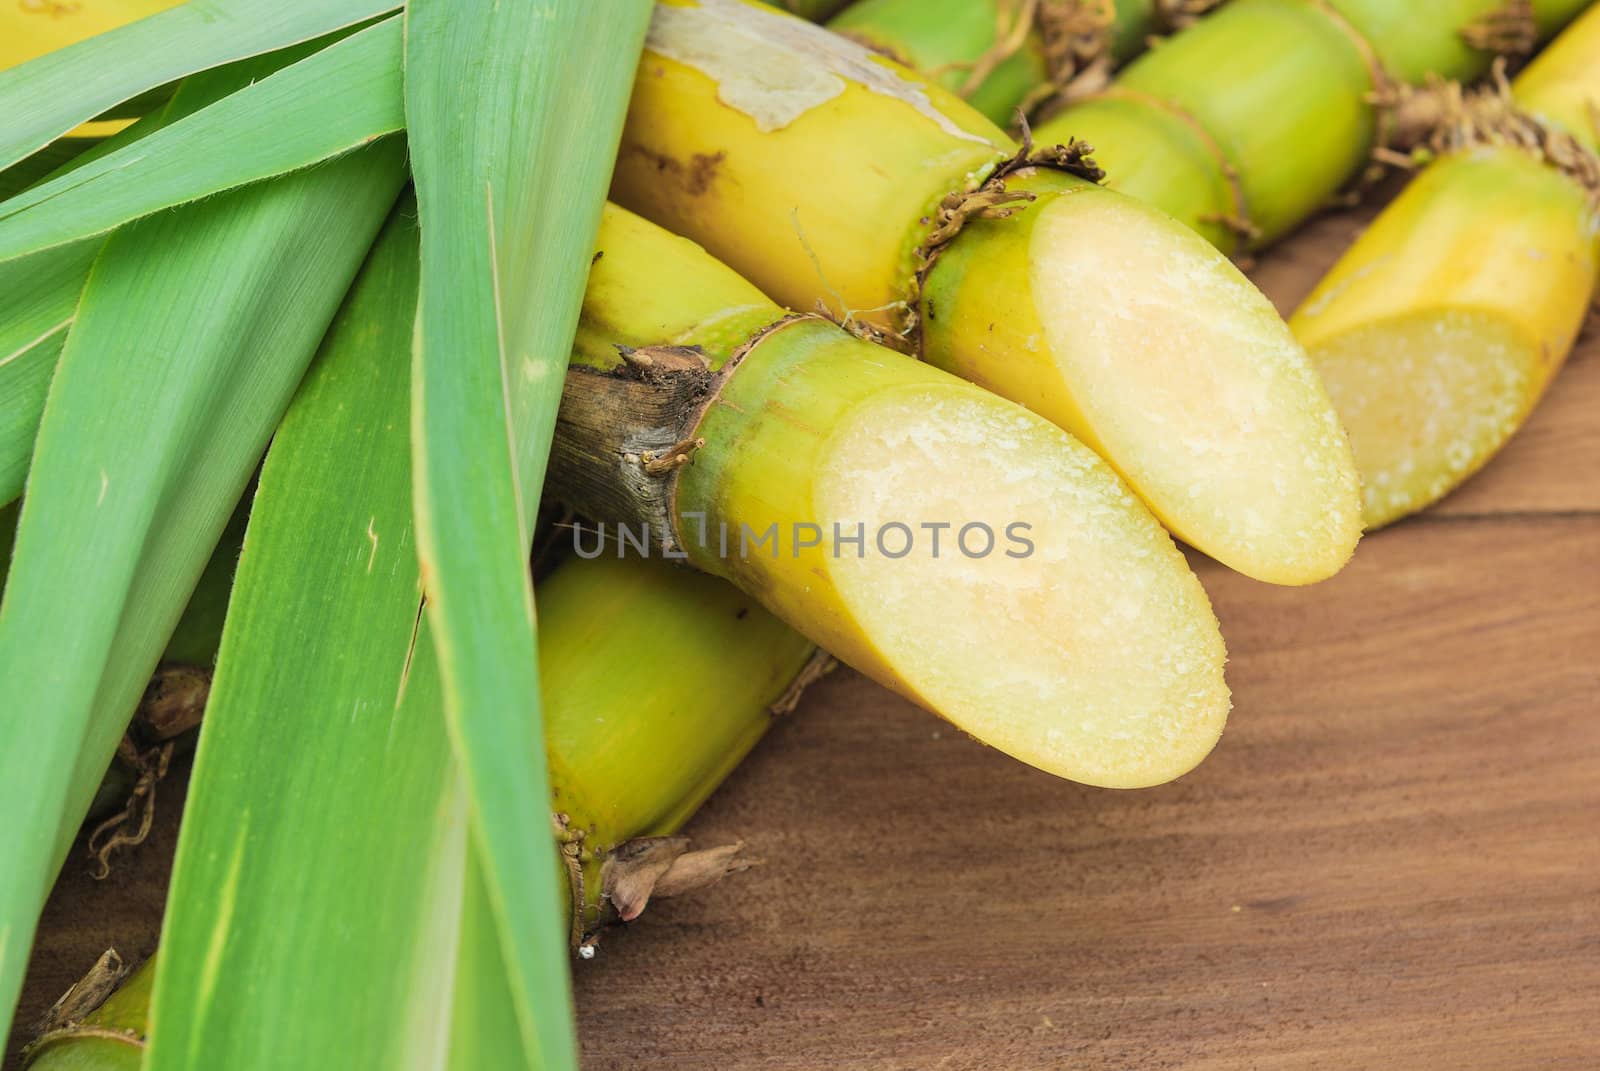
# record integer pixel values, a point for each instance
(45, 98)
(335, 100)
(191, 334)
(38, 300)
(484, 1029)
(513, 113)
(39, 292)
(51, 158)
(316, 892)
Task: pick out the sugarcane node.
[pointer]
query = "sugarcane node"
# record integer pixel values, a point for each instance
(138, 812)
(1174, 15)
(865, 330)
(990, 199)
(174, 701)
(819, 665)
(1511, 31)
(1385, 95)
(80, 1032)
(1075, 39)
(84, 995)
(651, 362)
(1490, 118)
(623, 434)
(1239, 221)
(675, 457)
(570, 841)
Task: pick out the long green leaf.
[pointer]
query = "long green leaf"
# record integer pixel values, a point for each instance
(38, 299)
(44, 98)
(192, 332)
(334, 100)
(513, 112)
(39, 292)
(274, 944)
(484, 1031)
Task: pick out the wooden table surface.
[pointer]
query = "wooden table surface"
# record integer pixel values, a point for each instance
(1392, 860)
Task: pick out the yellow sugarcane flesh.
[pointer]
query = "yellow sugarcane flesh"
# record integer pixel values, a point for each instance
(1440, 329)
(1220, 423)
(1054, 620)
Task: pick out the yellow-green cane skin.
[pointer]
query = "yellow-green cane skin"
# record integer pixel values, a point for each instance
(810, 367)
(1280, 94)
(1493, 230)
(1305, 74)
(657, 684)
(978, 302)
(1561, 88)
(944, 39)
(1162, 158)
(1414, 41)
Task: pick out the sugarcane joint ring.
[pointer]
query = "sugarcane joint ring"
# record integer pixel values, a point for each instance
(990, 199)
(79, 1032)
(1387, 96)
(1490, 118)
(1513, 30)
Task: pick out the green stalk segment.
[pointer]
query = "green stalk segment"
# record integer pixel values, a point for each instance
(1001, 55)
(815, 10)
(1442, 326)
(1212, 127)
(657, 683)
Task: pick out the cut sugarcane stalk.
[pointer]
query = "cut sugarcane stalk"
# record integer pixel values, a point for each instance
(657, 682)
(829, 175)
(1442, 326)
(1224, 146)
(815, 10)
(638, 735)
(1062, 626)
(1001, 55)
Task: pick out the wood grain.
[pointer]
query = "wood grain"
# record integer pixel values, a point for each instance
(1392, 859)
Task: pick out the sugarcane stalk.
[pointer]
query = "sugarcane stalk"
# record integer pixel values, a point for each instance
(657, 682)
(829, 176)
(1246, 123)
(815, 10)
(818, 472)
(1442, 326)
(1002, 55)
